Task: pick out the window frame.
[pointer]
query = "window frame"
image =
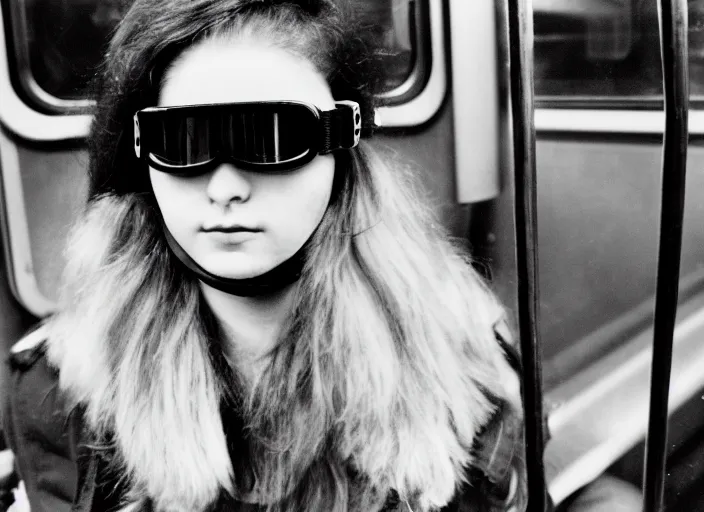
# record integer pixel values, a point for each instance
(422, 106)
(22, 77)
(635, 115)
(34, 115)
(23, 120)
(15, 235)
(610, 122)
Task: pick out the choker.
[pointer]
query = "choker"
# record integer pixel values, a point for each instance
(274, 280)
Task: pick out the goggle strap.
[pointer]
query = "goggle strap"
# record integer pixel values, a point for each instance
(341, 127)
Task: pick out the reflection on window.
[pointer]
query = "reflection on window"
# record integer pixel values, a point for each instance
(606, 50)
(390, 22)
(59, 43)
(65, 42)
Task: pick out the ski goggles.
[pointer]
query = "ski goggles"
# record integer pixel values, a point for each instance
(265, 136)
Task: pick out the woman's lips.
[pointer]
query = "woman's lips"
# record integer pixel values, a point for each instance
(230, 229)
(231, 237)
(228, 235)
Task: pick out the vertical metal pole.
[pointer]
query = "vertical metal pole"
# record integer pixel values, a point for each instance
(673, 45)
(520, 24)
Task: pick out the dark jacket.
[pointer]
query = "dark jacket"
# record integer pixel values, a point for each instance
(63, 473)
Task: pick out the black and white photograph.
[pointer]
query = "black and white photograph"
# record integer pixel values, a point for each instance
(352, 256)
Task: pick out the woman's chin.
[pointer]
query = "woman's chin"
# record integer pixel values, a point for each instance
(231, 269)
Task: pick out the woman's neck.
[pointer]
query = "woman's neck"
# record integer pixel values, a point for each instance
(251, 325)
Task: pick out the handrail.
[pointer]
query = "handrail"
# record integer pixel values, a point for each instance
(520, 23)
(672, 17)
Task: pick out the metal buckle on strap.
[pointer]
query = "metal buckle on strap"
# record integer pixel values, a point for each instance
(342, 127)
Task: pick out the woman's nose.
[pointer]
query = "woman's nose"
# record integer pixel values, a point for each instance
(229, 184)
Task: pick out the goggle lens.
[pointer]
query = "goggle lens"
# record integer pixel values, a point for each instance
(262, 137)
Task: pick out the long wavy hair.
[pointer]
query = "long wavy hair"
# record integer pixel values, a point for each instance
(388, 367)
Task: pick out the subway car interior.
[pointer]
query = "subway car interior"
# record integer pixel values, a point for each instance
(597, 86)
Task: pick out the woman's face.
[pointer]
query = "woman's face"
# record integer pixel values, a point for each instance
(279, 211)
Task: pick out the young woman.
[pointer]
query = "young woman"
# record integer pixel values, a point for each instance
(258, 312)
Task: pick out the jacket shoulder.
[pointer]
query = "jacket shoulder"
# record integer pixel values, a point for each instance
(27, 351)
(33, 388)
(36, 424)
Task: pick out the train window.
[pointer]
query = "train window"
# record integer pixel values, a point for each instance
(591, 52)
(58, 45)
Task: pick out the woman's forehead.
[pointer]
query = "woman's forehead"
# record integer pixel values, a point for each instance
(223, 71)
